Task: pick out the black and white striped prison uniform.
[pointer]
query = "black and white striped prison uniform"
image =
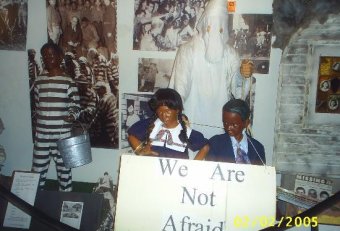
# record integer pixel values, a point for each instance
(100, 71)
(55, 98)
(33, 71)
(87, 72)
(113, 78)
(108, 116)
(88, 103)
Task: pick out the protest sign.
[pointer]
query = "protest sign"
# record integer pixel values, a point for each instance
(168, 194)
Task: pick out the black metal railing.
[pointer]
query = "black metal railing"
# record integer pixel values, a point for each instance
(33, 211)
(57, 225)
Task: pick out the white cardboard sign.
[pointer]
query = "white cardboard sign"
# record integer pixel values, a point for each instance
(164, 194)
(24, 185)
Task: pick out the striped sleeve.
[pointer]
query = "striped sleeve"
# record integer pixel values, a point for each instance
(55, 98)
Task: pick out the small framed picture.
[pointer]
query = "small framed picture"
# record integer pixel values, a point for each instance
(333, 103)
(325, 85)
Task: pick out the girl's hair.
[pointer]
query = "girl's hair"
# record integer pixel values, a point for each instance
(166, 97)
(170, 98)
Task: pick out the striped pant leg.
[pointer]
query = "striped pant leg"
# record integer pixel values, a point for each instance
(41, 156)
(64, 174)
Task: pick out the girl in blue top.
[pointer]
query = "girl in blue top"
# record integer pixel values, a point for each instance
(165, 134)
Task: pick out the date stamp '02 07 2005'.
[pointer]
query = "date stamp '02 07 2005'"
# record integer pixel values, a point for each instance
(265, 221)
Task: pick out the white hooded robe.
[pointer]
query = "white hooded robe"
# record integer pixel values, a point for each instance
(203, 86)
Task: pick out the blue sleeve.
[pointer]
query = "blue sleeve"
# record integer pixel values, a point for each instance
(139, 129)
(196, 140)
(220, 149)
(214, 149)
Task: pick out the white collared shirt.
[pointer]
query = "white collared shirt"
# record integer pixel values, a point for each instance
(243, 144)
(177, 145)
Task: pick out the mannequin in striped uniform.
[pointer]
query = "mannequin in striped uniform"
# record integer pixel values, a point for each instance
(57, 106)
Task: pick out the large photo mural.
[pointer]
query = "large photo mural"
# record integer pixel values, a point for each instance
(85, 31)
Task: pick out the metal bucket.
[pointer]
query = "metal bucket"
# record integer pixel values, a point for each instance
(75, 151)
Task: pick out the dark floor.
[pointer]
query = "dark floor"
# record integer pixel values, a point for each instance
(51, 185)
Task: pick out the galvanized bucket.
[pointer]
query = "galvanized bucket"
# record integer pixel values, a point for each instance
(76, 150)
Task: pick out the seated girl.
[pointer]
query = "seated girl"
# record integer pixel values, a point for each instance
(165, 134)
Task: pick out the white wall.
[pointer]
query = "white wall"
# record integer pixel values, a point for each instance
(14, 94)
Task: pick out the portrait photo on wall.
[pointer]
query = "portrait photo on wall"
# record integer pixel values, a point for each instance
(134, 107)
(79, 26)
(328, 88)
(153, 74)
(97, 82)
(165, 25)
(13, 25)
(251, 35)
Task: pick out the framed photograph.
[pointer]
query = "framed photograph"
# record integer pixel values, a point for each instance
(153, 74)
(328, 92)
(71, 213)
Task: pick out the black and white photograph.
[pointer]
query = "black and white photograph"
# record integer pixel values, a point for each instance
(134, 107)
(105, 186)
(325, 85)
(83, 25)
(165, 25)
(312, 186)
(13, 24)
(153, 74)
(333, 103)
(71, 213)
(251, 35)
(97, 81)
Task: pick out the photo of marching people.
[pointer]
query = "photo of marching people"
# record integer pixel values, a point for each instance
(250, 35)
(97, 80)
(163, 25)
(13, 24)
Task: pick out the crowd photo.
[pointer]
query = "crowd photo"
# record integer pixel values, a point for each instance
(164, 25)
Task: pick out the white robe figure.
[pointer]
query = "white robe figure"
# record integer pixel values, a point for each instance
(204, 68)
